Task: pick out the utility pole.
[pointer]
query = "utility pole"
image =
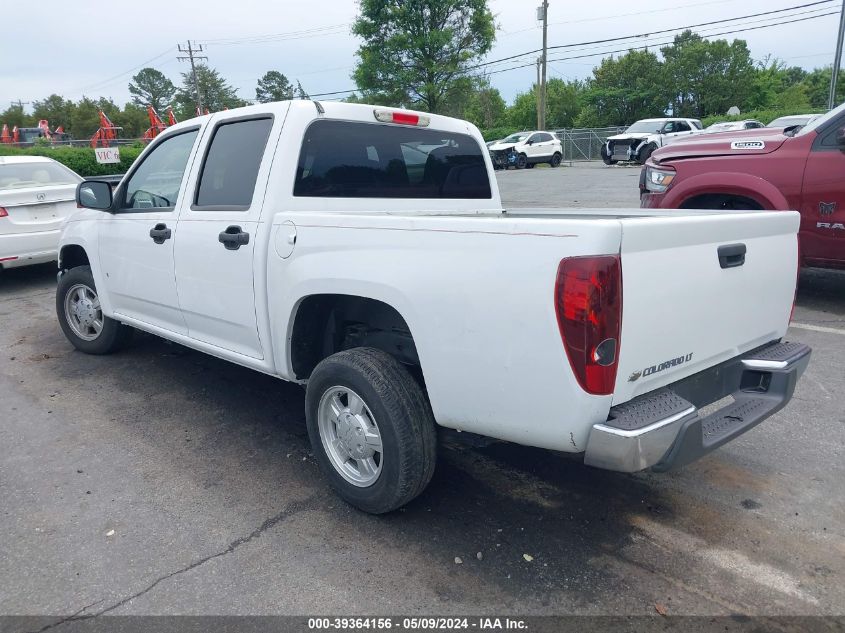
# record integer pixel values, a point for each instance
(545, 10)
(191, 51)
(20, 104)
(834, 74)
(539, 101)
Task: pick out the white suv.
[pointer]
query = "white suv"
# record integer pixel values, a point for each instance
(526, 149)
(643, 137)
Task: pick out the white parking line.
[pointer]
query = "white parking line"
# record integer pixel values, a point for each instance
(817, 328)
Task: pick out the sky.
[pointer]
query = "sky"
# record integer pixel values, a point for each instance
(95, 47)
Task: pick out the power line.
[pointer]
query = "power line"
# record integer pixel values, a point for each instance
(666, 43)
(680, 28)
(273, 37)
(106, 82)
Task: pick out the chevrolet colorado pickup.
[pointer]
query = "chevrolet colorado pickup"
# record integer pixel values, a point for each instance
(801, 168)
(364, 253)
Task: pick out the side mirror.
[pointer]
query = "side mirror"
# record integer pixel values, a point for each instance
(94, 194)
(840, 137)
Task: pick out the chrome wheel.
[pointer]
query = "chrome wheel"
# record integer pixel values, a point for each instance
(83, 312)
(350, 436)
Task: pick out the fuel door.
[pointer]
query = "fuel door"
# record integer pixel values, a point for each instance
(285, 239)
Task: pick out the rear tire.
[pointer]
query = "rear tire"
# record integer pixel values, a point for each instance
(371, 429)
(81, 317)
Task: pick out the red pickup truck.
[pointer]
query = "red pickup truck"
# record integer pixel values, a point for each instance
(801, 168)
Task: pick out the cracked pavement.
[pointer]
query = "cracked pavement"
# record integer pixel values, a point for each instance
(163, 481)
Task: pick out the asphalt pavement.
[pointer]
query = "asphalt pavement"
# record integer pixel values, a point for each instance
(164, 481)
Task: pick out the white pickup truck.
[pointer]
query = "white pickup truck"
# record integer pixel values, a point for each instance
(364, 252)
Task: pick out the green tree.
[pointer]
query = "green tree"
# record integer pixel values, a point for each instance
(273, 86)
(485, 107)
(416, 50)
(707, 77)
(151, 87)
(54, 109)
(216, 93)
(817, 85)
(625, 89)
(15, 116)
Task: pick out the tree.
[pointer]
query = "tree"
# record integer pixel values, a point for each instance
(415, 50)
(625, 89)
(216, 93)
(15, 116)
(273, 86)
(300, 91)
(55, 110)
(707, 77)
(485, 108)
(151, 87)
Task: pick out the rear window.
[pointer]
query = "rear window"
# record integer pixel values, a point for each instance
(341, 159)
(35, 174)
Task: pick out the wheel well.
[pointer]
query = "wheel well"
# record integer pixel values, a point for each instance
(72, 256)
(327, 324)
(721, 201)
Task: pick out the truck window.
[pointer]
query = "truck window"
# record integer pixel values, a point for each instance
(342, 159)
(231, 164)
(155, 184)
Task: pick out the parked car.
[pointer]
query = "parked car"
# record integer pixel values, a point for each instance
(36, 195)
(402, 295)
(793, 120)
(526, 149)
(643, 137)
(770, 168)
(733, 126)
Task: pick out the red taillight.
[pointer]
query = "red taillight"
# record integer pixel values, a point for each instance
(3, 213)
(402, 118)
(588, 303)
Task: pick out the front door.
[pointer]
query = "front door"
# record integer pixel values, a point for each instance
(218, 233)
(136, 242)
(823, 200)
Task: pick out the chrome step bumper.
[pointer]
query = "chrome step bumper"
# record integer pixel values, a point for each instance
(665, 429)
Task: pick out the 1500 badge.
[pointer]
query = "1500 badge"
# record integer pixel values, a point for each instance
(655, 369)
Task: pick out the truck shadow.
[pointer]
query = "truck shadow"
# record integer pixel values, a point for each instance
(503, 500)
(823, 290)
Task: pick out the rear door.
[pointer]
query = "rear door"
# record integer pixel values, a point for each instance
(136, 241)
(219, 232)
(699, 289)
(823, 199)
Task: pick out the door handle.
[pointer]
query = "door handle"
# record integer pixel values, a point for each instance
(233, 238)
(731, 255)
(159, 233)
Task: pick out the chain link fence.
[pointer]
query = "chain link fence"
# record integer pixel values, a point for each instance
(581, 144)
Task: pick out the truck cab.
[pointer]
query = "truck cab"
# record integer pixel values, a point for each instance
(798, 168)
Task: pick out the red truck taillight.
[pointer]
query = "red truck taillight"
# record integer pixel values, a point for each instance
(3, 213)
(588, 303)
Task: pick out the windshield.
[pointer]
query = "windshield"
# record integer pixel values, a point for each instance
(645, 126)
(822, 119)
(789, 121)
(35, 174)
(515, 138)
(722, 127)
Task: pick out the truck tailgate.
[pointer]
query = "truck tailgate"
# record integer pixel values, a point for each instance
(684, 308)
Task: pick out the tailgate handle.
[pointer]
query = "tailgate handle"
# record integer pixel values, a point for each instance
(732, 255)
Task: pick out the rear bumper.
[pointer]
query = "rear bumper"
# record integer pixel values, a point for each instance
(665, 429)
(23, 249)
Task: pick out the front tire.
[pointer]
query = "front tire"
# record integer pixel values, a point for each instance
(521, 161)
(555, 161)
(371, 429)
(646, 152)
(81, 316)
(606, 157)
